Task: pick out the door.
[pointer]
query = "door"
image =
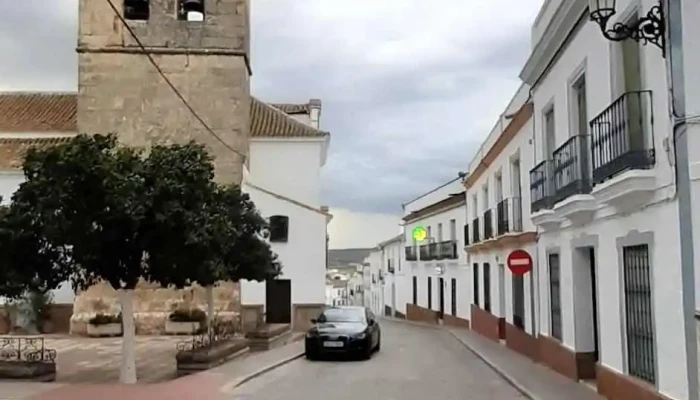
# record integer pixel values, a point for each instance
(441, 291)
(278, 301)
(393, 299)
(632, 78)
(594, 294)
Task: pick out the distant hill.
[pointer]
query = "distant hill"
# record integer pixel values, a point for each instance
(344, 257)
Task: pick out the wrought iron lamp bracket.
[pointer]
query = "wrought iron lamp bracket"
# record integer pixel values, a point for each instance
(649, 29)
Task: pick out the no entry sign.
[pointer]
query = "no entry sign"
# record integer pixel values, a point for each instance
(519, 262)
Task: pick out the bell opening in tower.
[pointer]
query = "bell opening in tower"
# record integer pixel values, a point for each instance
(191, 10)
(137, 10)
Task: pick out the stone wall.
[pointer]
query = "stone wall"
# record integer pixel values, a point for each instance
(153, 305)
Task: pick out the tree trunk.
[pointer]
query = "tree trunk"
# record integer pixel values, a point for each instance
(128, 368)
(210, 307)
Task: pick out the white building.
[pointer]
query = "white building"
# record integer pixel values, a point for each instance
(603, 198)
(436, 274)
(283, 180)
(394, 293)
(374, 278)
(503, 303)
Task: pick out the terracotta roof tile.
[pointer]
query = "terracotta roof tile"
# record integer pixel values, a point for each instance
(37, 112)
(269, 121)
(292, 108)
(12, 150)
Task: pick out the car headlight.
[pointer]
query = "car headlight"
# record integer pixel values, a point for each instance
(360, 335)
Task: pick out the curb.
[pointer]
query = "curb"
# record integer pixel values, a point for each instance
(517, 385)
(240, 381)
(414, 323)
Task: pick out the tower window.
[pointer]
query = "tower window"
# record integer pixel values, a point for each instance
(279, 228)
(136, 10)
(191, 10)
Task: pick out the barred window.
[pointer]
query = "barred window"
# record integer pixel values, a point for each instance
(487, 287)
(518, 301)
(475, 271)
(454, 297)
(430, 292)
(639, 317)
(555, 296)
(415, 290)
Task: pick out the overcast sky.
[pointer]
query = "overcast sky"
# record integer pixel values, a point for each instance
(409, 89)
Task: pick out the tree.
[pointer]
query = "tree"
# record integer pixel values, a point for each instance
(89, 199)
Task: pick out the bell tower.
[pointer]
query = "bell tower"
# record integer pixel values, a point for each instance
(202, 46)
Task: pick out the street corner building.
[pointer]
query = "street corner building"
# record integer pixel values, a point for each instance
(275, 152)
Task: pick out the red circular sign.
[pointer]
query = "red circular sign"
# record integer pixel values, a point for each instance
(519, 262)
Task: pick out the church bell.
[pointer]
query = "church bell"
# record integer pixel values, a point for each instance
(192, 6)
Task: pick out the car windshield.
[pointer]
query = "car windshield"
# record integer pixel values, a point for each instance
(342, 315)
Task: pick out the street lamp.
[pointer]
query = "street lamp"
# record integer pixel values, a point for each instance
(648, 29)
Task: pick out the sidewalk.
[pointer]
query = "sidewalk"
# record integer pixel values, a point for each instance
(214, 384)
(534, 380)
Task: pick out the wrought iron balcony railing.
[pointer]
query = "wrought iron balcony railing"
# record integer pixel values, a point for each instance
(571, 171)
(447, 250)
(488, 224)
(466, 234)
(411, 253)
(433, 251)
(541, 186)
(622, 136)
(502, 218)
(425, 252)
(509, 216)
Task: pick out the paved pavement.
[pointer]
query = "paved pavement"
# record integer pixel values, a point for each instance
(415, 362)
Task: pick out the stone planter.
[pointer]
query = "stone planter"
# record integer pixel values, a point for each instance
(181, 328)
(104, 330)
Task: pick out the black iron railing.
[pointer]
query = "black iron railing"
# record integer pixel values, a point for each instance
(516, 204)
(488, 224)
(466, 234)
(571, 172)
(411, 253)
(220, 331)
(425, 252)
(25, 349)
(476, 238)
(541, 186)
(433, 251)
(447, 250)
(502, 218)
(622, 136)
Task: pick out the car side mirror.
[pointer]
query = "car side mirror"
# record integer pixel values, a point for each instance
(314, 320)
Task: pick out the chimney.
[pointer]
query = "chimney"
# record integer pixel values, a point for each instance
(315, 112)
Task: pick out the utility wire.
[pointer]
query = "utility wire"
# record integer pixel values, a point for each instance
(167, 80)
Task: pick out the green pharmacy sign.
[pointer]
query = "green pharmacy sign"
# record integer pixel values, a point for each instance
(419, 234)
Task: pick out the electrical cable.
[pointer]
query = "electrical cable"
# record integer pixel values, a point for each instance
(172, 86)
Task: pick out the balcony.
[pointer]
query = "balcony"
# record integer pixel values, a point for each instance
(466, 234)
(476, 238)
(411, 254)
(433, 251)
(571, 179)
(488, 224)
(509, 216)
(447, 250)
(622, 151)
(541, 196)
(425, 252)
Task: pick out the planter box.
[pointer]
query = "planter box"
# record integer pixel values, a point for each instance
(181, 328)
(196, 360)
(105, 330)
(36, 371)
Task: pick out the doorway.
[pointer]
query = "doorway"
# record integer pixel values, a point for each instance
(585, 283)
(441, 291)
(594, 301)
(501, 290)
(278, 301)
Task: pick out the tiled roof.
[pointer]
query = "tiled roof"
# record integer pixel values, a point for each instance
(38, 112)
(292, 108)
(12, 150)
(269, 121)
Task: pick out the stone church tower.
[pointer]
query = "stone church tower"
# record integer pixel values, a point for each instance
(202, 46)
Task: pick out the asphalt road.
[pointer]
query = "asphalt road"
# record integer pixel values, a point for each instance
(415, 363)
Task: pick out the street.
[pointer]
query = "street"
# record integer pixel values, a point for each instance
(414, 363)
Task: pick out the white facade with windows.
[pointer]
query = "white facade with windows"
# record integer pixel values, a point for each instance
(435, 273)
(603, 197)
(498, 220)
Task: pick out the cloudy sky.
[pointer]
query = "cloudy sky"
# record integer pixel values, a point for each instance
(409, 89)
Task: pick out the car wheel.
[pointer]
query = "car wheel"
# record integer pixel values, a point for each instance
(309, 355)
(367, 353)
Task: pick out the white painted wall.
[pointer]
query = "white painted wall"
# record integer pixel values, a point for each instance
(433, 196)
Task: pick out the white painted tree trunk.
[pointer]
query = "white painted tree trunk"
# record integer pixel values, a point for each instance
(128, 368)
(210, 307)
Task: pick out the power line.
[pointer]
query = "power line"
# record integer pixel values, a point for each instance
(167, 80)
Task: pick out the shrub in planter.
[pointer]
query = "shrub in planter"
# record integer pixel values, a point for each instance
(186, 322)
(105, 325)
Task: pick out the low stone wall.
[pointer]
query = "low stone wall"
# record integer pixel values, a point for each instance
(487, 324)
(302, 314)
(153, 305)
(451, 320)
(564, 360)
(252, 317)
(58, 322)
(420, 314)
(522, 342)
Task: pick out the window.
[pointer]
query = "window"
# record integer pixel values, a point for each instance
(581, 113)
(279, 228)
(415, 290)
(555, 296)
(453, 230)
(487, 287)
(518, 301)
(430, 292)
(475, 283)
(453, 297)
(550, 138)
(639, 317)
(191, 10)
(439, 233)
(137, 10)
(429, 232)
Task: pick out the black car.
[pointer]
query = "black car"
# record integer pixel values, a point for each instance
(345, 330)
